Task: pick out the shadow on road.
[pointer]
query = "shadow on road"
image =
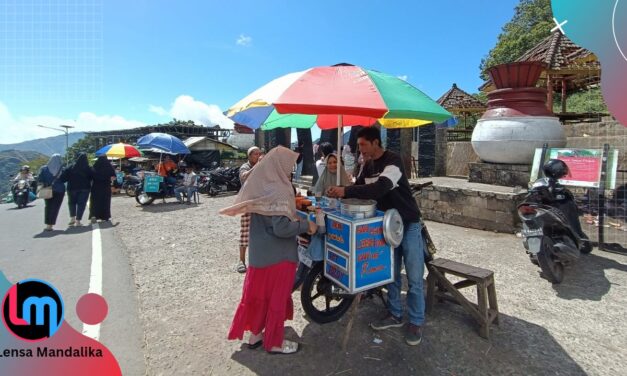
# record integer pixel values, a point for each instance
(49, 234)
(586, 278)
(168, 206)
(450, 346)
(25, 207)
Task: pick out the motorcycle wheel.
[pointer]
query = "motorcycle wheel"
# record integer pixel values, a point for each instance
(213, 191)
(131, 190)
(586, 247)
(143, 198)
(552, 270)
(316, 297)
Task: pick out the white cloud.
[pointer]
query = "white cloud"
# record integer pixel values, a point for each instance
(403, 77)
(187, 108)
(25, 128)
(158, 110)
(244, 40)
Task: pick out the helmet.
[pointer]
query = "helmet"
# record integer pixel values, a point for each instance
(555, 169)
(25, 168)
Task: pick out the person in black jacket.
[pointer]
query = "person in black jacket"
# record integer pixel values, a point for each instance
(100, 202)
(78, 178)
(383, 179)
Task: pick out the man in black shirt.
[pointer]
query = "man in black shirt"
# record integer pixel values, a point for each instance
(383, 179)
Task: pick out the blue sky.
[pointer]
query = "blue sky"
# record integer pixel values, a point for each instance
(103, 64)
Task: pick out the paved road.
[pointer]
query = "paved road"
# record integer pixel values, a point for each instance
(63, 257)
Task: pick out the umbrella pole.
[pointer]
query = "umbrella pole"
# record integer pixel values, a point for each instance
(339, 146)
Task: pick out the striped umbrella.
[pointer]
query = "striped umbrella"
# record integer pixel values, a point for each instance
(339, 95)
(119, 150)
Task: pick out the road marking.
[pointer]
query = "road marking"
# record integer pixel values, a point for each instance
(559, 25)
(95, 277)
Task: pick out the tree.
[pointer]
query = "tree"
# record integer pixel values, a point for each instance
(87, 145)
(532, 22)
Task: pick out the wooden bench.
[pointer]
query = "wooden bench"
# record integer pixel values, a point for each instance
(440, 288)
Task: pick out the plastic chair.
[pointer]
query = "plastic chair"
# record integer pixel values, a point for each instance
(196, 194)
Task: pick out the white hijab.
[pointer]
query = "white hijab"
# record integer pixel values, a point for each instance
(55, 164)
(268, 189)
(328, 178)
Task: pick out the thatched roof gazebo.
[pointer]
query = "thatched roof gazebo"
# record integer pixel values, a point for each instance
(569, 68)
(461, 104)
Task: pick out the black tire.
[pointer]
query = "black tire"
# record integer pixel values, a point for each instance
(143, 199)
(316, 286)
(552, 270)
(213, 191)
(130, 189)
(586, 246)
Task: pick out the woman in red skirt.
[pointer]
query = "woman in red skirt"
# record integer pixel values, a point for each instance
(266, 300)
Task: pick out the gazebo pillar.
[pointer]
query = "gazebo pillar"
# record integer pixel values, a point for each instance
(563, 95)
(549, 94)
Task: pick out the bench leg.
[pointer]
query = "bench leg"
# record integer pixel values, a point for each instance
(492, 298)
(431, 279)
(353, 312)
(483, 309)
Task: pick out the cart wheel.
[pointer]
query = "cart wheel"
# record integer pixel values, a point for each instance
(143, 198)
(318, 299)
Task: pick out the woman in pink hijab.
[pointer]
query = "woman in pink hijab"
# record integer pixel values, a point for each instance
(266, 301)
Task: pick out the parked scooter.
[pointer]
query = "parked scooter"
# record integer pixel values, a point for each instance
(552, 234)
(224, 180)
(130, 185)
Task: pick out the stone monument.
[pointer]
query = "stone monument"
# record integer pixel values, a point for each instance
(516, 123)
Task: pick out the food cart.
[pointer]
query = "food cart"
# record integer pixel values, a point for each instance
(359, 245)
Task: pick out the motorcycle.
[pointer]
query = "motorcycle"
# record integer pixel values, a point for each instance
(130, 185)
(21, 193)
(143, 198)
(224, 180)
(552, 234)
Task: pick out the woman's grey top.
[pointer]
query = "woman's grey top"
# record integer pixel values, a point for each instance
(273, 239)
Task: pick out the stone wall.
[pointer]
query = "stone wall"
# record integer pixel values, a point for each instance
(480, 206)
(507, 175)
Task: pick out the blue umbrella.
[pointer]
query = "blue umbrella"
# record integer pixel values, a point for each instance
(163, 142)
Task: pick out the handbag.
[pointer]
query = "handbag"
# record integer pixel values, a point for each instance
(44, 192)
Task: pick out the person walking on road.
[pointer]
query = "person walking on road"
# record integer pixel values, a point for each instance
(49, 176)
(78, 178)
(100, 200)
(266, 300)
(383, 179)
(244, 171)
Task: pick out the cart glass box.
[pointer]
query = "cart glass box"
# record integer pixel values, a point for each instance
(356, 255)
